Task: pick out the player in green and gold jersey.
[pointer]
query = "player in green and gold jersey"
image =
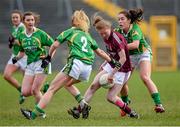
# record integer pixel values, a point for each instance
(10, 69)
(32, 43)
(79, 64)
(140, 52)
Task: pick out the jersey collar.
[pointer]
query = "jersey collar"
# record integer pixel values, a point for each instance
(128, 31)
(16, 28)
(34, 30)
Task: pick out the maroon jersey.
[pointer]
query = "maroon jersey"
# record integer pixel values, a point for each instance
(115, 43)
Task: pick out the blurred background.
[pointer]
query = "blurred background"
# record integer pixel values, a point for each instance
(161, 25)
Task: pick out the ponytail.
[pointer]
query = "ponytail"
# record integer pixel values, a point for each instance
(100, 23)
(135, 15)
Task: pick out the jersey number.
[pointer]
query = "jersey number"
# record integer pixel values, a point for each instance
(84, 41)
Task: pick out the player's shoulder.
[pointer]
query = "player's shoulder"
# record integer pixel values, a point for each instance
(39, 31)
(119, 38)
(136, 27)
(117, 35)
(136, 30)
(21, 25)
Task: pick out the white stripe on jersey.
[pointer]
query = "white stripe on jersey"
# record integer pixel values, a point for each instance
(116, 38)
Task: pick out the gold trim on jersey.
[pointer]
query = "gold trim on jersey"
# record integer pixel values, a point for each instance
(72, 38)
(39, 42)
(85, 58)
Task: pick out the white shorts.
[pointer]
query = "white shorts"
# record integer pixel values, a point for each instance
(78, 70)
(136, 59)
(22, 63)
(35, 68)
(120, 78)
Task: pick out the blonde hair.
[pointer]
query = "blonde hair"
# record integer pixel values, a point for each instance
(100, 23)
(81, 20)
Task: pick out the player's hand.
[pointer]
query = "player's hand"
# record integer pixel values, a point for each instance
(11, 41)
(14, 60)
(46, 61)
(116, 63)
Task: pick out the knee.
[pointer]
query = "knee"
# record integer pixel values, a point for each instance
(145, 78)
(35, 91)
(6, 75)
(93, 87)
(26, 93)
(110, 98)
(53, 89)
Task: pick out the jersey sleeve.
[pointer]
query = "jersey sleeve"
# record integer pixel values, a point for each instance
(94, 45)
(63, 36)
(46, 39)
(121, 44)
(136, 34)
(19, 39)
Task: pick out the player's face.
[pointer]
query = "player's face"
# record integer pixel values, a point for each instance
(105, 33)
(29, 21)
(16, 19)
(123, 21)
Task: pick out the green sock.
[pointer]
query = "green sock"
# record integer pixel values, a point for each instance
(156, 98)
(19, 89)
(37, 111)
(125, 99)
(79, 98)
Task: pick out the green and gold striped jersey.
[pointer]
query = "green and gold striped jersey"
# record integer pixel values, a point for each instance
(15, 31)
(81, 44)
(34, 45)
(134, 34)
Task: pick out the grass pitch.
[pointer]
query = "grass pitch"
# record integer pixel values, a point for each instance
(102, 112)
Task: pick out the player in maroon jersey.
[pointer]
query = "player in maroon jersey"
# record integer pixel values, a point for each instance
(117, 48)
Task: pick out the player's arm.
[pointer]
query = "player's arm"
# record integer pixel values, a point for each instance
(122, 56)
(102, 54)
(18, 57)
(133, 45)
(122, 60)
(136, 36)
(52, 50)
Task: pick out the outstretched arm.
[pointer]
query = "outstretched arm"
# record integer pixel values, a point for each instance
(133, 45)
(52, 51)
(122, 60)
(53, 48)
(102, 54)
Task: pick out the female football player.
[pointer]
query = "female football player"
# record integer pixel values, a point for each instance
(116, 46)
(79, 63)
(32, 42)
(10, 69)
(139, 50)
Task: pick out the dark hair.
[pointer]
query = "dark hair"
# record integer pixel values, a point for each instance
(18, 12)
(35, 15)
(136, 15)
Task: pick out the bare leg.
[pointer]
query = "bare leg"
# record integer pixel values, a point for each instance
(27, 85)
(56, 84)
(93, 87)
(8, 75)
(39, 80)
(145, 74)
